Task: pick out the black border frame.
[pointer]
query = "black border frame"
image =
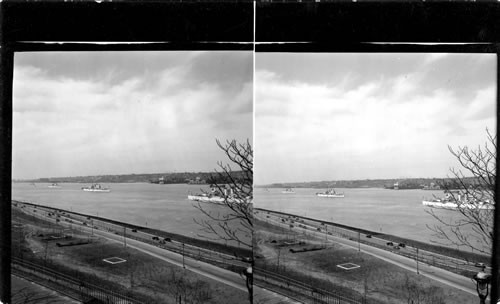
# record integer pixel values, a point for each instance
(336, 26)
(389, 27)
(53, 25)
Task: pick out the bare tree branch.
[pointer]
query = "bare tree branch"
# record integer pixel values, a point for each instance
(231, 219)
(472, 193)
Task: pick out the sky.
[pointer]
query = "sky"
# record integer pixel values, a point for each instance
(96, 113)
(323, 117)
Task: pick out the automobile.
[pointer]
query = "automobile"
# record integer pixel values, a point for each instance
(402, 245)
(369, 236)
(319, 229)
(396, 247)
(390, 244)
(246, 259)
(134, 230)
(274, 241)
(478, 264)
(155, 238)
(167, 239)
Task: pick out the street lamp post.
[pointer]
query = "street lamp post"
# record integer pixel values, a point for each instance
(482, 284)
(248, 273)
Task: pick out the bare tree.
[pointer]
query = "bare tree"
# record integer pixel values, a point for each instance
(471, 189)
(231, 219)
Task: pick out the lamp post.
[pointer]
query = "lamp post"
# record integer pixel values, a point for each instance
(248, 274)
(482, 284)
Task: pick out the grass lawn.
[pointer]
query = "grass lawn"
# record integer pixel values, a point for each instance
(382, 282)
(142, 273)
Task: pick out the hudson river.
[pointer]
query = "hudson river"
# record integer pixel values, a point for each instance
(396, 212)
(164, 207)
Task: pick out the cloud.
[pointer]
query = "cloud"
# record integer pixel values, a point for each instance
(389, 125)
(154, 122)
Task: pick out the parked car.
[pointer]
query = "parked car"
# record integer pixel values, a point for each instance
(369, 236)
(167, 240)
(155, 238)
(478, 264)
(402, 245)
(134, 230)
(390, 244)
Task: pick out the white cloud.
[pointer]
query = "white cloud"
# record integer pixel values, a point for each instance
(146, 123)
(383, 128)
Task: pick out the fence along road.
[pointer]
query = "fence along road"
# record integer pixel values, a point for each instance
(76, 289)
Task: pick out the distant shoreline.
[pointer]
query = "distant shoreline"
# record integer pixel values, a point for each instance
(197, 178)
(431, 183)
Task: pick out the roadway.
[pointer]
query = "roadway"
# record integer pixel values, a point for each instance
(205, 269)
(435, 273)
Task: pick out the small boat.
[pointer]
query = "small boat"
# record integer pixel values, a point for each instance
(288, 191)
(96, 188)
(54, 185)
(330, 193)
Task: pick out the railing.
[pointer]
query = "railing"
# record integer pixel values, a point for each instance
(77, 289)
(315, 295)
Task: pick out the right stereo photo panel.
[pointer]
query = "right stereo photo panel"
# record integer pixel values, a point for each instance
(374, 175)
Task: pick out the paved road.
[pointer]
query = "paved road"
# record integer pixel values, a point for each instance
(438, 274)
(221, 275)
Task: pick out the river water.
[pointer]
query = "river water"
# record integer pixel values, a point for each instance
(396, 212)
(164, 207)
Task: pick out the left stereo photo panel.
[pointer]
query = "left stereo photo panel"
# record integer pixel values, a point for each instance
(132, 176)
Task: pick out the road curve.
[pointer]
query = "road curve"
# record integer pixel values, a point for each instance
(438, 274)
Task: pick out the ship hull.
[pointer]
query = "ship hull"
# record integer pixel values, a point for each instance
(452, 205)
(200, 198)
(96, 190)
(331, 195)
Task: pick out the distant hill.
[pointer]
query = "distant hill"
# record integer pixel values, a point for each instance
(405, 183)
(166, 178)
